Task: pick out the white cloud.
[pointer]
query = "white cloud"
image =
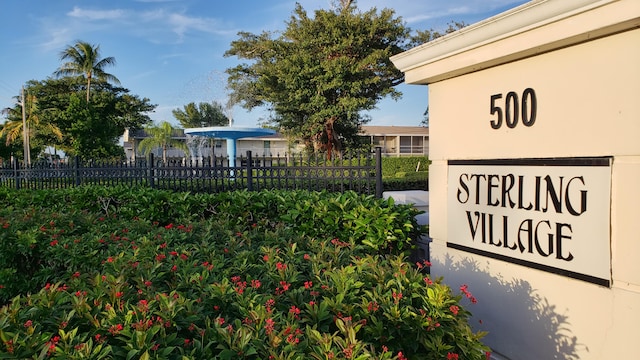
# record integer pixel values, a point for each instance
(182, 24)
(96, 14)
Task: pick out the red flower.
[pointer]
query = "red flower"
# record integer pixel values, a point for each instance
(28, 323)
(454, 309)
(292, 339)
(54, 243)
(115, 329)
(143, 305)
(269, 325)
(308, 285)
(396, 297)
(295, 311)
(169, 226)
(52, 344)
(307, 256)
(373, 306)
(452, 356)
(265, 258)
(76, 275)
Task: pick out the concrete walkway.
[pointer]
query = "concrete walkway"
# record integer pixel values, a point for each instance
(419, 199)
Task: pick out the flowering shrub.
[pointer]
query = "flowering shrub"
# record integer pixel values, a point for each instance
(255, 284)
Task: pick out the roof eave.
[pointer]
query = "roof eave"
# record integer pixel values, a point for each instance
(524, 31)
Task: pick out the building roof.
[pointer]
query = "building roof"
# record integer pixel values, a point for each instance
(365, 130)
(395, 130)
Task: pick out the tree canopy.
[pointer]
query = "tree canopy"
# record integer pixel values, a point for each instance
(321, 72)
(65, 120)
(202, 115)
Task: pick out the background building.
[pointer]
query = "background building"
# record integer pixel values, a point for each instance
(394, 140)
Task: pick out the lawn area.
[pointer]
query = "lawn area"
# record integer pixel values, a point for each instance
(127, 273)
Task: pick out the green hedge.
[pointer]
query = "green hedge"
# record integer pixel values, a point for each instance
(121, 273)
(393, 165)
(409, 181)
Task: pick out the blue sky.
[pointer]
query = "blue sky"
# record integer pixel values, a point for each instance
(171, 51)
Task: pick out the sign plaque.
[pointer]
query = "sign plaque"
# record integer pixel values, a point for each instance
(548, 214)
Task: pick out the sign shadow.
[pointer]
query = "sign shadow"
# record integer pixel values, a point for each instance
(512, 306)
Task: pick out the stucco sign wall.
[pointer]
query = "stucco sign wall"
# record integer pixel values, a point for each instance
(548, 214)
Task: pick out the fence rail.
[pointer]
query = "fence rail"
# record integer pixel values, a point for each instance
(360, 172)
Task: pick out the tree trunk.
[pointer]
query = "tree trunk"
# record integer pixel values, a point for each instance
(331, 137)
(164, 154)
(88, 85)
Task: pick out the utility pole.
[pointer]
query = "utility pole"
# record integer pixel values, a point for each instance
(25, 131)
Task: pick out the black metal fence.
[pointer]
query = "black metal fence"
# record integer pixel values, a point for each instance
(361, 172)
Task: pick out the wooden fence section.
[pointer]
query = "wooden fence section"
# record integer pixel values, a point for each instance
(361, 172)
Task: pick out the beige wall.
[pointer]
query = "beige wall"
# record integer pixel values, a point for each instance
(588, 89)
(586, 93)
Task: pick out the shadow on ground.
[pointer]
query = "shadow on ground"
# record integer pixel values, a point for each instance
(537, 329)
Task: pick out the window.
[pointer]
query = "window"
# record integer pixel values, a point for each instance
(405, 144)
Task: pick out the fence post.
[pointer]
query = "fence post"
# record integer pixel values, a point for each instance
(76, 170)
(16, 172)
(150, 170)
(379, 172)
(249, 171)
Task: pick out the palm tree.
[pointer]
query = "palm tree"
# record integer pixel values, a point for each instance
(161, 136)
(13, 127)
(83, 59)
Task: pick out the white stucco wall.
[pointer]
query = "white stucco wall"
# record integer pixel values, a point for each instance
(583, 60)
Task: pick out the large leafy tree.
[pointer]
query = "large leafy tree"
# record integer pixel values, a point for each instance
(89, 130)
(202, 115)
(161, 136)
(83, 59)
(322, 72)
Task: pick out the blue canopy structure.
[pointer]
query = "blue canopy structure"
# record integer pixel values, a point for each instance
(231, 134)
